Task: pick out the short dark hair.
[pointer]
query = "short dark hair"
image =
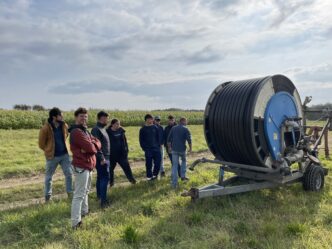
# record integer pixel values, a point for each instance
(80, 110)
(148, 116)
(170, 117)
(114, 120)
(102, 114)
(55, 111)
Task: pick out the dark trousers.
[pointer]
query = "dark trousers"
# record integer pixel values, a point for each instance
(102, 180)
(179, 167)
(124, 164)
(152, 158)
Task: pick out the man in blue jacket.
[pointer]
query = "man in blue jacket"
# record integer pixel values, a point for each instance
(150, 141)
(176, 141)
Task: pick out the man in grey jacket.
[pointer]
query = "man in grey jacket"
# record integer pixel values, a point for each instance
(103, 158)
(176, 141)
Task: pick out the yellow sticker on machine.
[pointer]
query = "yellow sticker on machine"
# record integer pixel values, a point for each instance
(275, 136)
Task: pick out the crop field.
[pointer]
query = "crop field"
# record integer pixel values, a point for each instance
(152, 215)
(15, 119)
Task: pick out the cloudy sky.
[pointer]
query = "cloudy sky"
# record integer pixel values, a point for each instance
(148, 54)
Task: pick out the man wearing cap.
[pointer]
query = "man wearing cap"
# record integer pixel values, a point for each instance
(161, 134)
(52, 140)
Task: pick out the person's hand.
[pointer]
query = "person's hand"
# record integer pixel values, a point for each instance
(190, 150)
(103, 162)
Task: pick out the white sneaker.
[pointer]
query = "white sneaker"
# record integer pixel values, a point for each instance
(149, 179)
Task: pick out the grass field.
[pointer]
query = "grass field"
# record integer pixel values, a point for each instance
(152, 215)
(20, 155)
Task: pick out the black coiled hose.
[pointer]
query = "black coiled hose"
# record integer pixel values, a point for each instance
(234, 120)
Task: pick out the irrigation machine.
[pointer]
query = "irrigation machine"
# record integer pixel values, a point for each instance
(256, 129)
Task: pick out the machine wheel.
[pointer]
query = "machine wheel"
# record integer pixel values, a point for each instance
(313, 179)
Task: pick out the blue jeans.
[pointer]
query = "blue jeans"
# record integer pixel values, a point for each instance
(51, 166)
(176, 156)
(152, 156)
(102, 180)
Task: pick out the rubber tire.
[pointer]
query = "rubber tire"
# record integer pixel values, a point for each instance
(311, 176)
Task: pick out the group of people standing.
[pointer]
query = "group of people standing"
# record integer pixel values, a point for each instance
(102, 149)
(153, 138)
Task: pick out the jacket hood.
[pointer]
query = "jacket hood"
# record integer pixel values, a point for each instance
(121, 129)
(50, 122)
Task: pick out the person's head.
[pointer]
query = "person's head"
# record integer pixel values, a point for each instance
(115, 124)
(55, 114)
(171, 120)
(102, 117)
(148, 119)
(183, 121)
(81, 116)
(157, 120)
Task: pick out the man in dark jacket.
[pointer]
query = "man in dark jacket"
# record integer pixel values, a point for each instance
(52, 140)
(103, 157)
(119, 151)
(84, 147)
(150, 140)
(157, 122)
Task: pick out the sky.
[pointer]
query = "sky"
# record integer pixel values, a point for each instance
(152, 54)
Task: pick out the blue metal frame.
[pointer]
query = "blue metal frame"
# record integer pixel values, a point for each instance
(280, 107)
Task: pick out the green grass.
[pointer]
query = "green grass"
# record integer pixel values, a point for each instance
(20, 155)
(151, 215)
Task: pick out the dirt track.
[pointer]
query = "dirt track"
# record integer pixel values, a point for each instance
(39, 179)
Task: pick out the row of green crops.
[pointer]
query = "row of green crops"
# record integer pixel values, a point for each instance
(14, 119)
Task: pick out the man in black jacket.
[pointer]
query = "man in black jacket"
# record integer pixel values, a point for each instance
(103, 157)
(150, 141)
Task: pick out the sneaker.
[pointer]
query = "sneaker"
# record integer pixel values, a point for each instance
(48, 198)
(78, 225)
(70, 195)
(149, 179)
(184, 179)
(84, 215)
(133, 181)
(162, 174)
(105, 204)
(154, 177)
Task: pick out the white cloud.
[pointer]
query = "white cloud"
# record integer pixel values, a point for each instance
(52, 43)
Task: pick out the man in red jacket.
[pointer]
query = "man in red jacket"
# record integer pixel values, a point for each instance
(84, 148)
